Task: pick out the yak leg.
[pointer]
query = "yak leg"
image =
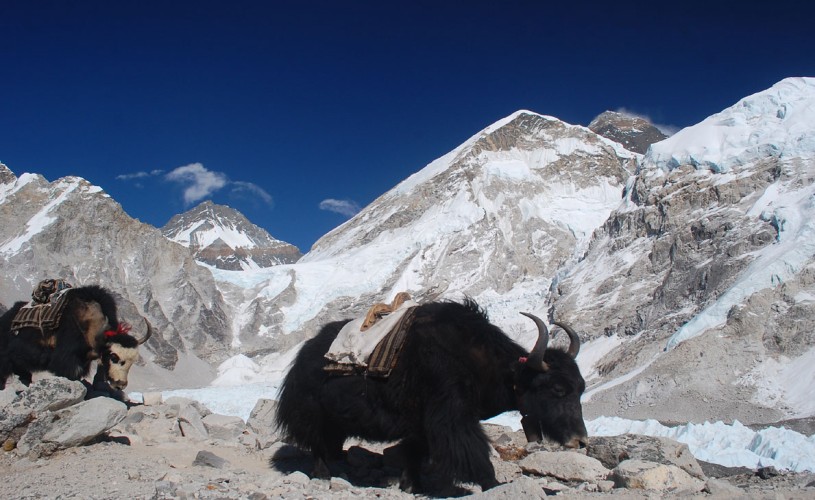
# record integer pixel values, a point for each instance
(5, 371)
(26, 356)
(459, 450)
(414, 450)
(329, 449)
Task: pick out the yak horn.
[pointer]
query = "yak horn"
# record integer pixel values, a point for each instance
(535, 359)
(574, 344)
(148, 334)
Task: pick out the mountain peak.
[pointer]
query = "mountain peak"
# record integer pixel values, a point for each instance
(6, 175)
(633, 132)
(223, 237)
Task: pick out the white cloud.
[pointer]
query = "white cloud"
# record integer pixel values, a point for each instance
(199, 181)
(344, 207)
(139, 175)
(253, 191)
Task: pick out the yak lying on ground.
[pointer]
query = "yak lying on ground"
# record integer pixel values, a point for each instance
(88, 329)
(455, 369)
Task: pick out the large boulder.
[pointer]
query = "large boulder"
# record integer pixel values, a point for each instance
(639, 474)
(612, 450)
(44, 395)
(73, 426)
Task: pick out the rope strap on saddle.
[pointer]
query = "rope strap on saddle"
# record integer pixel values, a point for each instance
(377, 311)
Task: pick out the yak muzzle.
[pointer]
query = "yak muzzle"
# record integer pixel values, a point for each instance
(532, 430)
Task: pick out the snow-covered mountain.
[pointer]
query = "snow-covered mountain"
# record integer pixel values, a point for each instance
(222, 237)
(688, 270)
(494, 219)
(700, 285)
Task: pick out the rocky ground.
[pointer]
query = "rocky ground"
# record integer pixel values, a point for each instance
(56, 445)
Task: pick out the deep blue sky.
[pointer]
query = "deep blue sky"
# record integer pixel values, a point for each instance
(285, 104)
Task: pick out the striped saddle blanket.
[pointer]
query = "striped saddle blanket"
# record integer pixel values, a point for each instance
(43, 316)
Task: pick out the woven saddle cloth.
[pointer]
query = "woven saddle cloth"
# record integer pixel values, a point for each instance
(43, 316)
(372, 344)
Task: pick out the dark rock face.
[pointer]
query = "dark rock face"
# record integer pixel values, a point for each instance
(633, 132)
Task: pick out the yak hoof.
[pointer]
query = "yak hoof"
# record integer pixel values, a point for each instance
(408, 484)
(321, 470)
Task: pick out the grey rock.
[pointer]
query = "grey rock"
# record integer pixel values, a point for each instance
(179, 404)
(191, 421)
(720, 488)
(523, 487)
(73, 426)
(767, 472)
(615, 449)
(224, 427)
(639, 474)
(208, 459)
(567, 466)
(297, 477)
(262, 417)
(339, 484)
(49, 394)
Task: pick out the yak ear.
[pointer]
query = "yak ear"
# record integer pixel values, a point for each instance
(535, 359)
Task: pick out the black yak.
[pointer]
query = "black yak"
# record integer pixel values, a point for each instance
(455, 369)
(88, 329)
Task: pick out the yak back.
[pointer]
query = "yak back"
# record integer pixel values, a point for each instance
(453, 351)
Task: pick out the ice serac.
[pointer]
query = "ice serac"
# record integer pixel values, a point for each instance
(224, 238)
(701, 271)
(633, 132)
(71, 229)
(494, 219)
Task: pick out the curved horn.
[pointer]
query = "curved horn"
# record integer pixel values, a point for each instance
(574, 344)
(535, 359)
(148, 334)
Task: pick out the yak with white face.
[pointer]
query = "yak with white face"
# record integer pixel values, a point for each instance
(88, 330)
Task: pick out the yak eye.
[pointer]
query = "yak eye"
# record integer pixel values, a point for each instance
(559, 390)
(114, 358)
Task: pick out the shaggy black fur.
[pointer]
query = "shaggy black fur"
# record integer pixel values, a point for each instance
(23, 353)
(456, 368)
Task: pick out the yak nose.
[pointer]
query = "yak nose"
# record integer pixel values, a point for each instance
(578, 443)
(119, 386)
